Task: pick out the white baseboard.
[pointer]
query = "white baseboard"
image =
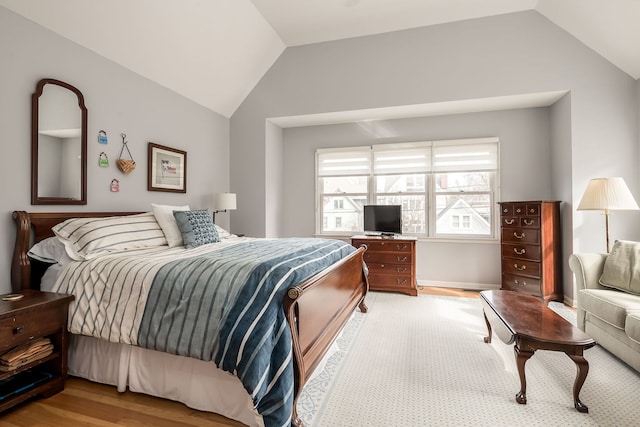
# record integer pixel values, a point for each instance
(459, 285)
(475, 287)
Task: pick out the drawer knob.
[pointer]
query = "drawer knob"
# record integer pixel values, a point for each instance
(402, 259)
(520, 267)
(509, 221)
(517, 282)
(528, 222)
(18, 330)
(519, 251)
(518, 236)
(401, 247)
(401, 281)
(381, 265)
(401, 270)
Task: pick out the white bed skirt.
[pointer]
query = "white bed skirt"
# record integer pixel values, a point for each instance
(197, 384)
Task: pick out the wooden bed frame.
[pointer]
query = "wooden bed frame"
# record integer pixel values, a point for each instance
(316, 309)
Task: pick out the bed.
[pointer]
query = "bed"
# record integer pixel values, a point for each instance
(315, 310)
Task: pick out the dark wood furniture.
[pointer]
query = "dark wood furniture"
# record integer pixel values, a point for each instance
(57, 123)
(391, 262)
(36, 315)
(530, 248)
(316, 309)
(531, 325)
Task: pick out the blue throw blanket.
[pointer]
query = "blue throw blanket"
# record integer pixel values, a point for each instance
(226, 306)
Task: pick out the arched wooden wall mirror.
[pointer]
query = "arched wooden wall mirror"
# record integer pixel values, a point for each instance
(58, 145)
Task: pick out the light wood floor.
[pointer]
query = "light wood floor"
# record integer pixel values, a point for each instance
(83, 403)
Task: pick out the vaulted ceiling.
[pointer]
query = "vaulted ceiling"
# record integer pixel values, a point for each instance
(215, 51)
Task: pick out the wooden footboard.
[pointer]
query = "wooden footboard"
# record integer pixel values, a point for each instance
(317, 310)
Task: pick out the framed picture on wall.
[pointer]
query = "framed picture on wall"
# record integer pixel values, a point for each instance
(167, 169)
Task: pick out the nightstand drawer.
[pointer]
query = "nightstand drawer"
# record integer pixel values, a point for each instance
(28, 324)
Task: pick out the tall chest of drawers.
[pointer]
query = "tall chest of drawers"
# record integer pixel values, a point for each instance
(391, 263)
(530, 248)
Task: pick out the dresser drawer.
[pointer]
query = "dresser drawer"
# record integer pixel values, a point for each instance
(29, 324)
(521, 267)
(387, 257)
(521, 236)
(530, 252)
(521, 284)
(519, 208)
(384, 245)
(510, 221)
(529, 222)
(390, 280)
(382, 268)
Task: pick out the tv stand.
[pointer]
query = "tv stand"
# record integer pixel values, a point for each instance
(391, 261)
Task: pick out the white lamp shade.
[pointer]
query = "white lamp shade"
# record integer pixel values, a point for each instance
(225, 201)
(607, 194)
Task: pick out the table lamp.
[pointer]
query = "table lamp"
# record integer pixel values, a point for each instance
(224, 202)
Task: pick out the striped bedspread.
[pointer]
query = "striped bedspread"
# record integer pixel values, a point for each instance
(220, 302)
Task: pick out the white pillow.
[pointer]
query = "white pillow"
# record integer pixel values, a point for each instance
(86, 238)
(49, 250)
(164, 216)
(222, 233)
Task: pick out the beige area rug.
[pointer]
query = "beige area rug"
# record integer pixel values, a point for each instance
(421, 361)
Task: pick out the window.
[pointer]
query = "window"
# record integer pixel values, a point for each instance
(461, 221)
(445, 188)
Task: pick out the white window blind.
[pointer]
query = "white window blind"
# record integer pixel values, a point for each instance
(451, 156)
(344, 162)
(401, 158)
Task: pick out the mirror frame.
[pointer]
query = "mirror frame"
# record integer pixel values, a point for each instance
(35, 199)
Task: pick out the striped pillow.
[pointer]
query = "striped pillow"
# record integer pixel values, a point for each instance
(87, 238)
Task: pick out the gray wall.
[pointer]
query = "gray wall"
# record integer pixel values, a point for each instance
(594, 130)
(117, 101)
(524, 146)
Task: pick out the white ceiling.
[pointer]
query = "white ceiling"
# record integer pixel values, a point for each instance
(215, 51)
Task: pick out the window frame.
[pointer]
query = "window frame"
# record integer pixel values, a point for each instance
(430, 194)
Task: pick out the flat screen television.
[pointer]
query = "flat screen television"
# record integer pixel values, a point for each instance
(383, 219)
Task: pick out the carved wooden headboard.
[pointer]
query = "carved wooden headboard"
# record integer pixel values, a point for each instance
(34, 227)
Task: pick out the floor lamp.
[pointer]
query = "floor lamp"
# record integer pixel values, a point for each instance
(607, 194)
(224, 202)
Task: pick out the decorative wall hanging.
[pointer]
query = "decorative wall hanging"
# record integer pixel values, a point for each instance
(102, 137)
(115, 185)
(103, 161)
(167, 169)
(126, 166)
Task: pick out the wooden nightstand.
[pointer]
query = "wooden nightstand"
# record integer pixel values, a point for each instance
(37, 315)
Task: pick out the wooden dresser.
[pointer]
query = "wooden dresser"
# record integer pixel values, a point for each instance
(530, 248)
(391, 262)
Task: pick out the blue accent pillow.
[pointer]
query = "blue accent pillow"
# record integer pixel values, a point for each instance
(197, 227)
